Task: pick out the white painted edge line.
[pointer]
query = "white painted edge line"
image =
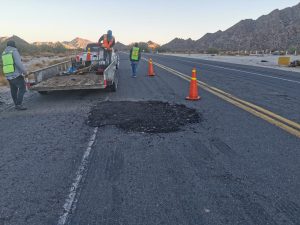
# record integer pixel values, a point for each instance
(243, 71)
(70, 202)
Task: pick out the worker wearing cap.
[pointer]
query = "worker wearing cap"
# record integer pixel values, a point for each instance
(135, 56)
(14, 72)
(107, 41)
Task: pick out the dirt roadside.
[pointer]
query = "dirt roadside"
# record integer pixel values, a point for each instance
(267, 61)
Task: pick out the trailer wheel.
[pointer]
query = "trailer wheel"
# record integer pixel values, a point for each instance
(43, 92)
(113, 87)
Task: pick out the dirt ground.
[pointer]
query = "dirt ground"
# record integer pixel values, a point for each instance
(36, 63)
(3, 81)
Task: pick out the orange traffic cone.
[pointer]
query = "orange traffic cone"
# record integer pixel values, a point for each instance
(77, 58)
(150, 68)
(193, 87)
(88, 56)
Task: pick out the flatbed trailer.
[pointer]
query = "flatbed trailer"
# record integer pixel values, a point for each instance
(55, 78)
(71, 82)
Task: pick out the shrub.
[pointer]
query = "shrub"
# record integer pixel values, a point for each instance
(212, 51)
(3, 81)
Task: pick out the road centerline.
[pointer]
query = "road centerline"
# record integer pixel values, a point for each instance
(242, 71)
(279, 121)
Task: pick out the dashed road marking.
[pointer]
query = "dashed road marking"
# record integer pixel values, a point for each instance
(70, 202)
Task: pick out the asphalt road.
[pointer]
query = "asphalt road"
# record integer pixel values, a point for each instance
(231, 168)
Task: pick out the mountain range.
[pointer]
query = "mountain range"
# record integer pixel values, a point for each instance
(279, 30)
(56, 47)
(77, 43)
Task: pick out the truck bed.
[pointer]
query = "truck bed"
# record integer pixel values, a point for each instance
(71, 82)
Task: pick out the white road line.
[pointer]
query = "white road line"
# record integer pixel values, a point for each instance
(70, 202)
(242, 71)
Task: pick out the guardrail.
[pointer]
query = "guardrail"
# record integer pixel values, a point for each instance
(50, 71)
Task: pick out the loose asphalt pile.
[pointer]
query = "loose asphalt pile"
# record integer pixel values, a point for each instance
(144, 117)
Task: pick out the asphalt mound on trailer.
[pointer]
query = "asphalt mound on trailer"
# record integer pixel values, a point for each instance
(144, 117)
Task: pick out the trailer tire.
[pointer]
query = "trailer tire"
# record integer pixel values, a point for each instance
(43, 92)
(113, 87)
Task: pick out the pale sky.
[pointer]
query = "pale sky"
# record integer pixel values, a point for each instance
(130, 21)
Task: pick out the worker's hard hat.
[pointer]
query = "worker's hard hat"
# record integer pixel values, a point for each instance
(109, 32)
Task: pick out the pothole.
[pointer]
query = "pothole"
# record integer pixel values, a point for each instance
(146, 117)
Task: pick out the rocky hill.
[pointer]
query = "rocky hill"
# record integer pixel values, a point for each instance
(3, 39)
(152, 45)
(121, 47)
(77, 43)
(22, 45)
(145, 46)
(179, 44)
(279, 30)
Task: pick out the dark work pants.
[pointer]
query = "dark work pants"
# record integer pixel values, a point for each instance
(17, 89)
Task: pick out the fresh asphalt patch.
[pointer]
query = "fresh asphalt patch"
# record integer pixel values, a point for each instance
(143, 116)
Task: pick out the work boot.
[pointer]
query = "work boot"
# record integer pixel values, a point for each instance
(20, 107)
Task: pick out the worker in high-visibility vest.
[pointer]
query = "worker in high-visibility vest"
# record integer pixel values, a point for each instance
(135, 56)
(107, 41)
(14, 72)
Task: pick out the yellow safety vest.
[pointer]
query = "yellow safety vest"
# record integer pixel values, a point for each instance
(135, 53)
(8, 62)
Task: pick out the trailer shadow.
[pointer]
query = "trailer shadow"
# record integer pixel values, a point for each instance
(73, 94)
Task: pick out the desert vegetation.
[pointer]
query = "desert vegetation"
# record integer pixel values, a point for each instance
(3, 81)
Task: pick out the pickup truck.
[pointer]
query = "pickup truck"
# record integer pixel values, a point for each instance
(96, 73)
